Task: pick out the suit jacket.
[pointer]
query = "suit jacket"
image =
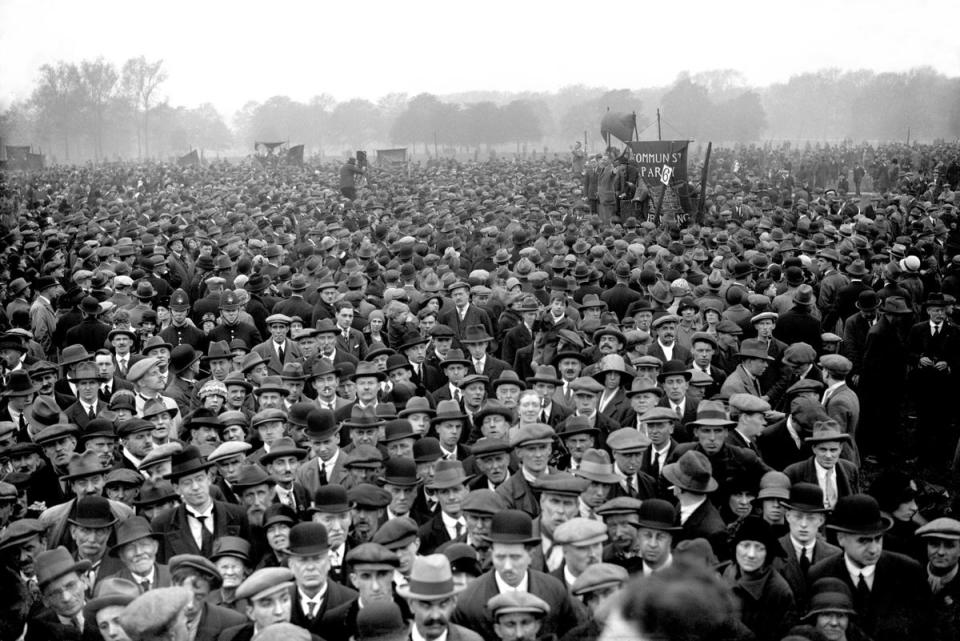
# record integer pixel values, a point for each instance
(777, 447)
(308, 474)
(78, 416)
(90, 333)
(616, 407)
(172, 525)
(336, 596)
(705, 522)
(46, 626)
(519, 495)
(340, 623)
(267, 351)
(492, 367)
(683, 432)
(474, 316)
(855, 330)
(899, 605)
(680, 353)
(433, 534)
(843, 406)
(848, 476)
(515, 340)
(471, 605)
(789, 566)
(161, 577)
(116, 383)
(739, 382)
(55, 519)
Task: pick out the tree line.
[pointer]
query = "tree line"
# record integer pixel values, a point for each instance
(93, 110)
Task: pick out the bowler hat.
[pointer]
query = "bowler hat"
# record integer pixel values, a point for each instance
(92, 511)
(868, 300)
(400, 471)
(858, 514)
(895, 305)
(187, 461)
(657, 514)
(512, 526)
(308, 539)
(182, 357)
(805, 497)
(674, 368)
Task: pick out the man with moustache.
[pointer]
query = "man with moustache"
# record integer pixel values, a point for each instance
(431, 597)
(942, 538)
(257, 491)
(491, 457)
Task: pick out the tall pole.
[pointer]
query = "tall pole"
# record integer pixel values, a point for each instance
(702, 205)
(659, 133)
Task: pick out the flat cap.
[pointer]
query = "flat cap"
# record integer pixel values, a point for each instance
(373, 555)
(748, 403)
(281, 319)
(836, 364)
(517, 603)
(488, 446)
(599, 576)
(396, 533)
(159, 454)
(942, 528)
(655, 415)
(562, 483)
(20, 531)
(621, 505)
(364, 456)
(367, 496)
(141, 367)
(133, 426)
(627, 439)
(201, 564)
(799, 354)
(264, 582)
(483, 501)
(805, 386)
(55, 432)
(586, 385)
(227, 449)
(153, 611)
(532, 435)
(579, 531)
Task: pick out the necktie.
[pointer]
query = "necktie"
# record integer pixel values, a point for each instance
(656, 462)
(478, 365)
(24, 434)
(206, 540)
(566, 393)
(543, 416)
(632, 486)
(936, 330)
(144, 586)
(457, 396)
(678, 411)
(863, 593)
(830, 492)
(123, 366)
(323, 474)
(804, 561)
(280, 353)
(76, 623)
(312, 612)
(91, 413)
(459, 529)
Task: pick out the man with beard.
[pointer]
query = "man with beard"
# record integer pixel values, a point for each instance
(511, 538)
(368, 505)
(136, 547)
(313, 593)
(91, 524)
(192, 526)
(267, 592)
(431, 596)
(204, 619)
(257, 491)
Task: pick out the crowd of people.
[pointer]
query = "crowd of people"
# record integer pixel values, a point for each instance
(470, 401)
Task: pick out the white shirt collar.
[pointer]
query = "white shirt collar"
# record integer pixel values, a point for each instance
(450, 524)
(867, 571)
(149, 576)
(687, 510)
(305, 601)
(798, 547)
(567, 576)
(503, 587)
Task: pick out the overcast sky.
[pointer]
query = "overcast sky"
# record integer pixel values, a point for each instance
(230, 52)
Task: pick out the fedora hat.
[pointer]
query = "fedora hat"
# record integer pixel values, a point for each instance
(416, 405)
(448, 411)
(145, 289)
(85, 372)
(448, 474)
(430, 579)
(19, 384)
(52, 564)
(475, 334)
(186, 462)
(283, 447)
(153, 343)
(75, 354)
(712, 413)
(411, 339)
(858, 514)
(512, 526)
(803, 295)
(596, 466)
(454, 357)
(857, 269)
(83, 465)
(362, 418)
(368, 369)
(692, 472)
(674, 368)
(218, 350)
(545, 374)
(112, 590)
(753, 348)
(895, 305)
(805, 497)
(826, 431)
(133, 529)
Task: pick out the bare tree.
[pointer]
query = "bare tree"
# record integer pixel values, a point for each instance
(140, 81)
(56, 100)
(98, 81)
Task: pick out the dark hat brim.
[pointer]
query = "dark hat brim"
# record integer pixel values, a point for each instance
(870, 528)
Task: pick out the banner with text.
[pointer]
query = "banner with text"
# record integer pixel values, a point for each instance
(652, 156)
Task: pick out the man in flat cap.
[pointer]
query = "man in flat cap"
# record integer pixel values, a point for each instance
(158, 615)
(517, 616)
(267, 592)
(750, 413)
(942, 539)
(596, 586)
(532, 445)
(840, 402)
(205, 620)
(582, 542)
